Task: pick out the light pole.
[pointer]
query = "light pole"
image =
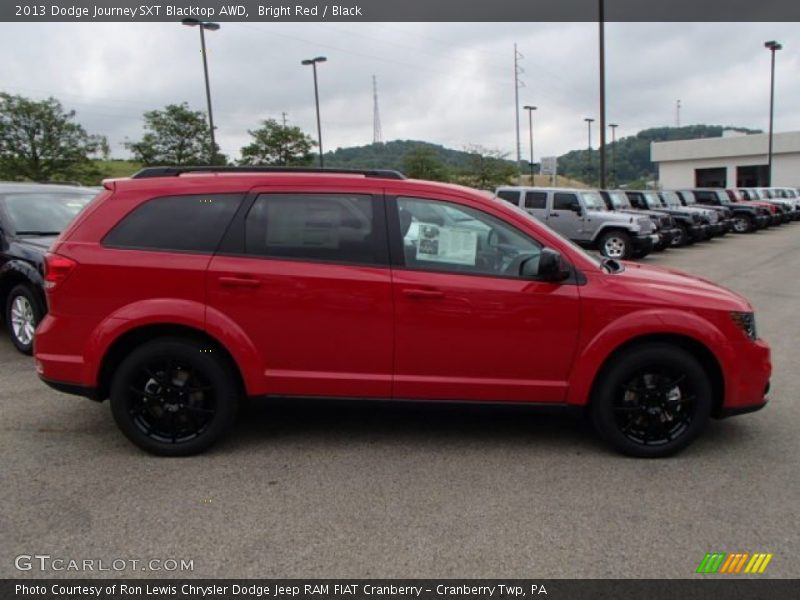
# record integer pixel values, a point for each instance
(589, 122)
(313, 62)
(772, 46)
(203, 25)
(613, 152)
(602, 39)
(530, 110)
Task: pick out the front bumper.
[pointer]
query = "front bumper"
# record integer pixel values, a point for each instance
(643, 244)
(761, 221)
(665, 238)
(746, 379)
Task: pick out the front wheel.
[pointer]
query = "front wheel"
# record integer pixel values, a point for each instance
(682, 238)
(174, 397)
(743, 224)
(616, 244)
(652, 401)
(23, 312)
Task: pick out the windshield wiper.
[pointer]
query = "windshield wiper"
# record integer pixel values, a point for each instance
(41, 233)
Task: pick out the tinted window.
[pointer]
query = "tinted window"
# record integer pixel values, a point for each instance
(326, 227)
(440, 236)
(535, 200)
(43, 212)
(178, 223)
(562, 201)
(509, 196)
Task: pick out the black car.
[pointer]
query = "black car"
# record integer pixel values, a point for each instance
(743, 218)
(690, 224)
(31, 217)
(666, 230)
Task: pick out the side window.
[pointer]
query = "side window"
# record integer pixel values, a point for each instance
(564, 201)
(176, 223)
(510, 196)
(535, 200)
(318, 227)
(442, 236)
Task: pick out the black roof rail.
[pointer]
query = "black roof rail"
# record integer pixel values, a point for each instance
(148, 172)
(70, 183)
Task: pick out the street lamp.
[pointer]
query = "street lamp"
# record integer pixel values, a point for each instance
(772, 46)
(589, 122)
(613, 152)
(530, 110)
(203, 25)
(313, 62)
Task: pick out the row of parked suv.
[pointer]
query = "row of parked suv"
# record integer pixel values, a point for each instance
(178, 292)
(625, 224)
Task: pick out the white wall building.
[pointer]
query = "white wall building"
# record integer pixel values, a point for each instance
(733, 160)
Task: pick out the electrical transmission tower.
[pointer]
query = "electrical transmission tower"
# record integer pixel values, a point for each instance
(678, 113)
(377, 134)
(518, 83)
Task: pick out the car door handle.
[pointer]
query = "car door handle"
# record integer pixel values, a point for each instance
(243, 282)
(554, 214)
(423, 294)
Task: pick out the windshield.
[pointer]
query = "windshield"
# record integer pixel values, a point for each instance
(43, 213)
(671, 199)
(619, 200)
(593, 201)
(689, 198)
(652, 200)
(723, 197)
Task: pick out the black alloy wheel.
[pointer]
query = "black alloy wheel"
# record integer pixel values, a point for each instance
(652, 402)
(173, 397)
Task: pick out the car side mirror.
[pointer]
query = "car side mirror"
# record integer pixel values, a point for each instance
(549, 267)
(576, 208)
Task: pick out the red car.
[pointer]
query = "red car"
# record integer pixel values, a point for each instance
(178, 291)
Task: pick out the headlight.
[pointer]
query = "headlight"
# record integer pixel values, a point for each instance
(746, 321)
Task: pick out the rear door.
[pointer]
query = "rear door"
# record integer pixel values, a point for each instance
(305, 276)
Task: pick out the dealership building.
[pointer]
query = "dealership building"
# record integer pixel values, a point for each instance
(733, 160)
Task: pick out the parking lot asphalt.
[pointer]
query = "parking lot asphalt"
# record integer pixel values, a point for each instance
(375, 490)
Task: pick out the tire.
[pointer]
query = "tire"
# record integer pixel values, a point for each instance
(652, 401)
(23, 312)
(179, 415)
(743, 224)
(682, 239)
(616, 244)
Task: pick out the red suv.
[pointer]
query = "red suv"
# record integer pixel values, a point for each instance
(178, 292)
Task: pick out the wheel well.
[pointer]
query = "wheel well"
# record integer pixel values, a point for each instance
(131, 340)
(703, 355)
(610, 229)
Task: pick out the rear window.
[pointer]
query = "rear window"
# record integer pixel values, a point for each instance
(176, 223)
(510, 196)
(43, 213)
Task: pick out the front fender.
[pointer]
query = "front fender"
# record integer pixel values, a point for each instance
(603, 227)
(639, 325)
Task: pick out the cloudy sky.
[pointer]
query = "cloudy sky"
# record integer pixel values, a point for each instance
(447, 83)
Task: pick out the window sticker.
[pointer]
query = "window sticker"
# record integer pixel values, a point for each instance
(447, 244)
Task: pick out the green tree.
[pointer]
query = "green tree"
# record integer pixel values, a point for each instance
(176, 136)
(422, 162)
(40, 141)
(487, 168)
(276, 144)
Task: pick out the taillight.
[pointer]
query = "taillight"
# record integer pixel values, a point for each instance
(56, 269)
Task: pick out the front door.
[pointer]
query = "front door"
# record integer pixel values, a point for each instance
(310, 286)
(468, 326)
(567, 215)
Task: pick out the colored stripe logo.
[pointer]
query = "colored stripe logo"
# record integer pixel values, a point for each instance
(734, 563)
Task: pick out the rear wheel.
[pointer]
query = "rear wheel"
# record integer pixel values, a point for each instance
(23, 312)
(652, 401)
(616, 244)
(174, 397)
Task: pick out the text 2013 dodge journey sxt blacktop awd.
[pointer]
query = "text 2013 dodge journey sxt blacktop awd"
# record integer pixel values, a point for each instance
(179, 291)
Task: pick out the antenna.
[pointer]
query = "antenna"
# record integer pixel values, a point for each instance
(377, 134)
